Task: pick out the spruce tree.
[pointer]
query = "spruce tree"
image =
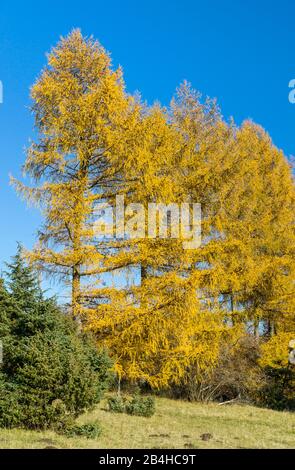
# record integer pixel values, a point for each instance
(23, 283)
(50, 372)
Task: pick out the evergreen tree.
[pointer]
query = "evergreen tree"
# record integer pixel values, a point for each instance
(23, 282)
(7, 309)
(50, 372)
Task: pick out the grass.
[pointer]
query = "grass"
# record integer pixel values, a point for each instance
(176, 424)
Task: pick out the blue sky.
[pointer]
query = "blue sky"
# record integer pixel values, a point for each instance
(237, 51)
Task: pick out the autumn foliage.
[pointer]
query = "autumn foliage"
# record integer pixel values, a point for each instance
(96, 141)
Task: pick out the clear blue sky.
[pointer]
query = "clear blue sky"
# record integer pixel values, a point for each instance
(240, 52)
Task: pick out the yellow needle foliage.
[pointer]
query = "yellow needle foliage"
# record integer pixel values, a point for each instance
(84, 118)
(97, 142)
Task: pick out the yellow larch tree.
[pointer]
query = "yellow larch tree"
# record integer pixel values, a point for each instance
(83, 117)
(265, 226)
(158, 328)
(97, 142)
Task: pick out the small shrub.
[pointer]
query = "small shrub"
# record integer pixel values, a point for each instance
(279, 390)
(236, 375)
(141, 406)
(117, 404)
(88, 430)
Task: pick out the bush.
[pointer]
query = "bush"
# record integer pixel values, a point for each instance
(50, 373)
(238, 374)
(54, 375)
(279, 390)
(141, 406)
(89, 430)
(117, 404)
(235, 375)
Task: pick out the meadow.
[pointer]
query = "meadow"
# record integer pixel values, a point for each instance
(176, 424)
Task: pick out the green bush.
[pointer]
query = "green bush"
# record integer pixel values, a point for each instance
(117, 404)
(279, 391)
(51, 378)
(137, 405)
(89, 430)
(51, 372)
(141, 406)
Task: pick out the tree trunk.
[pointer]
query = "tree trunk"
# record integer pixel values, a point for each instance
(75, 292)
(143, 273)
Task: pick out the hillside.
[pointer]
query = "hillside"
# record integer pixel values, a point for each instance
(176, 424)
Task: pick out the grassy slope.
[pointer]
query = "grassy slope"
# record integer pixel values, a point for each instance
(176, 424)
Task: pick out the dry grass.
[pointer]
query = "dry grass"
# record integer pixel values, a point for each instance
(176, 424)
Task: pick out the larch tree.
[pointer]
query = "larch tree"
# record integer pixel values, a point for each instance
(137, 322)
(158, 328)
(95, 143)
(245, 186)
(84, 118)
(265, 227)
